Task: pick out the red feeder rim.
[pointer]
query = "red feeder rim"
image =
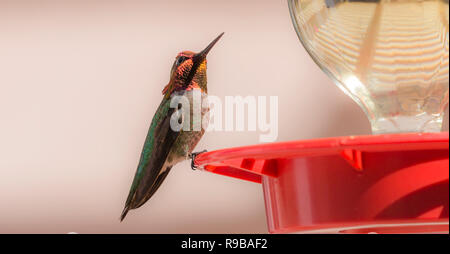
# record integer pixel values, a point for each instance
(251, 162)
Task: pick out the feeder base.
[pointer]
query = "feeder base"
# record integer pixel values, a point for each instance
(396, 183)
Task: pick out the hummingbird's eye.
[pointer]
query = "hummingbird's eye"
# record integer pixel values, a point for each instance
(180, 60)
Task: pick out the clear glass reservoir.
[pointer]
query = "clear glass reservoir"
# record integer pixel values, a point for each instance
(390, 56)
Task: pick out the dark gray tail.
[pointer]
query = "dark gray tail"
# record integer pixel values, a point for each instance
(132, 204)
(124, 213)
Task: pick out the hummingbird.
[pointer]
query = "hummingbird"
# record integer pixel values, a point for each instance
(163, 146)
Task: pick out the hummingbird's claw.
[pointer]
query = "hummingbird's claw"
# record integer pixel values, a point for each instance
(192, 157)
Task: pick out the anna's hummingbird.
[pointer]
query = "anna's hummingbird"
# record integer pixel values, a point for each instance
(164, 147)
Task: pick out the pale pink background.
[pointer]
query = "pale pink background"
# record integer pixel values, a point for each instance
(80, 81)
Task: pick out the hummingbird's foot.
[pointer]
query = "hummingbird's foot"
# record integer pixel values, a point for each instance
(192, 157)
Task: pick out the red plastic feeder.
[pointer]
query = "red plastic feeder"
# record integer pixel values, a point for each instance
(382, 183)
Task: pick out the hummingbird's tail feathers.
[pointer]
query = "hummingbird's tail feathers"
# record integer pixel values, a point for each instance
(124, 213)
(154, 187)
(149, 194)
(128, 203)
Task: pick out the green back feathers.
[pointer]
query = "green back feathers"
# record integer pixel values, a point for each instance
(149, 145)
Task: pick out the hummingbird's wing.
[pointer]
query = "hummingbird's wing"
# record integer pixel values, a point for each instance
(150, 172)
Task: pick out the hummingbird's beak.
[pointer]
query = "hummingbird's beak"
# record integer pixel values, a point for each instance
(200, 57)
(203, 53)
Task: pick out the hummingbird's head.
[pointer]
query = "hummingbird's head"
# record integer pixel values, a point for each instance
(189, 70)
